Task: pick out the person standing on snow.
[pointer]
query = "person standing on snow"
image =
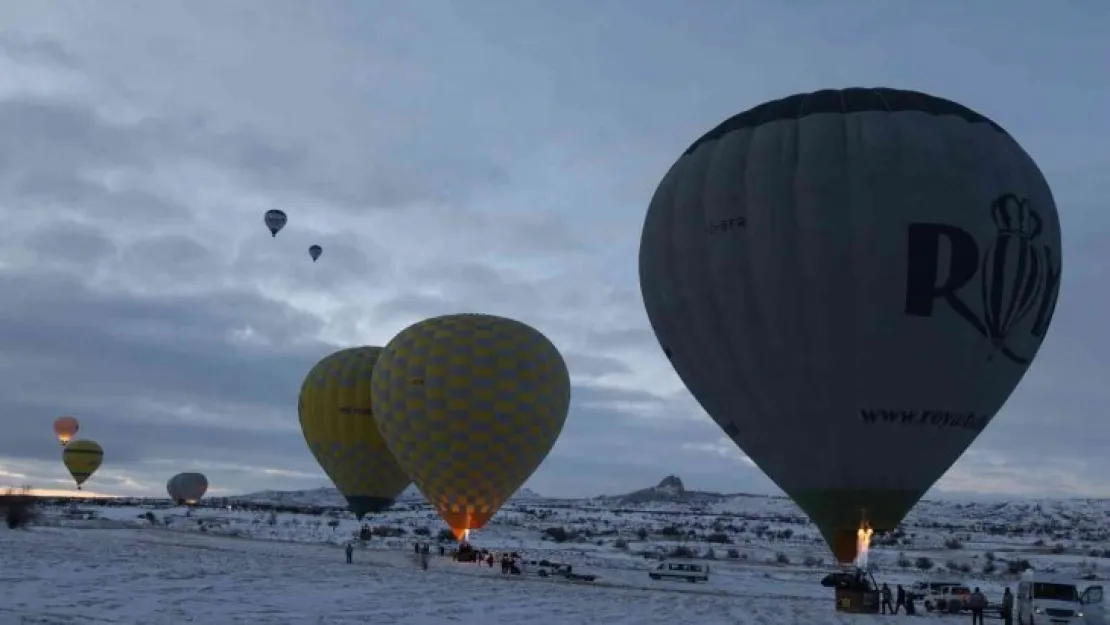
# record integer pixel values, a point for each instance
(977, 602)
(350, 549)
(900, 599)
(1008, 607)
(886, 605)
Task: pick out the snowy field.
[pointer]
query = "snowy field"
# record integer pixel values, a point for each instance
(111, 564)
(150, 576)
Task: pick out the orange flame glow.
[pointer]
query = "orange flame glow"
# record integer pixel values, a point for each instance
(863, 543)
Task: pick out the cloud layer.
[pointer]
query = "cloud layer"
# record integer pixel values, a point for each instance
(492, 157)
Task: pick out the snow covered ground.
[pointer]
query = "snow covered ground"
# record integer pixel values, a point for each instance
(151, 576)
(108, 563)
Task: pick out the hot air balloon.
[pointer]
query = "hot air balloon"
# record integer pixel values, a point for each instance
(82, 458)
(852, 283)
(275, 221)
(65, 428)
(187, 488)
(336, 419)
(470, 405)
(315, 251)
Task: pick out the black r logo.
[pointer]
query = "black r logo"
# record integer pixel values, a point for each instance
(1018, 276)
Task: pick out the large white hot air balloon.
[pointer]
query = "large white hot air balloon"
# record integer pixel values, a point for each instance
(851, 283)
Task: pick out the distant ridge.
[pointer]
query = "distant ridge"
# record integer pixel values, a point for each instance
(671, 490)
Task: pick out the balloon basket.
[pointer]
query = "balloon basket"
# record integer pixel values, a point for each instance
(857, 601)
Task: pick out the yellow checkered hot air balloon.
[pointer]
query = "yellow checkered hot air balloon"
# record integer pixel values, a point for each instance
(82, 458)
(470, 405)
(337, 423)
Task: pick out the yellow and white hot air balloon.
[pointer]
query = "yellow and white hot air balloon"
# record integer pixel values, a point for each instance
(470, 405)
(65, 428)
(335, 413)
(82, 458)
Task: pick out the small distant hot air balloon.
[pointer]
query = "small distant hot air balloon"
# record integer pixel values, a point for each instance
(315, 252)
(82, 458)
(187, 488)
(470, 405)
(852, 282)
(275, 220)
(335, 414)
(65, 428)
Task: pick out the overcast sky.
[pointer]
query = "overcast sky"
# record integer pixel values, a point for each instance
(493, 156)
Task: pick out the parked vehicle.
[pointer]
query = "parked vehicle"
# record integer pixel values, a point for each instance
(1094, 611)
(1047, 599)
(950, 599)
(674, 569)
(926, 588)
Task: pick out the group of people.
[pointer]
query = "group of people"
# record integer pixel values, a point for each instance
(977, 603)
(903, 600)
(509, 561)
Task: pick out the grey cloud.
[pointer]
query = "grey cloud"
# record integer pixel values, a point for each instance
(50, 143)
(76, 246)
(648, 449)
(371, 156)
(350, 263)
(169, 257)
(35, 50)
(537, 151)
(41, 190)
(152, 378)
(595, 365)
(620, 338)
(132, 437)
(50, 135)
(563, 302)
(97, 345)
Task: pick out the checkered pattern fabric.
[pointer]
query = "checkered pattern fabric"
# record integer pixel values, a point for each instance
(336, 419)
(470, 405)
(82, 458)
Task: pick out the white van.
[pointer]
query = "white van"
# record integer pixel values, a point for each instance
(1045, 599)
(689, 571)
(1094, 611)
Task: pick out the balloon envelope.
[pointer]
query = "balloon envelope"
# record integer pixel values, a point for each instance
(315, 251)
(338, 425)
(470, 405)
(187, 488)
(65, 428)
(851, 283)
(82, 458)
(275, 221)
